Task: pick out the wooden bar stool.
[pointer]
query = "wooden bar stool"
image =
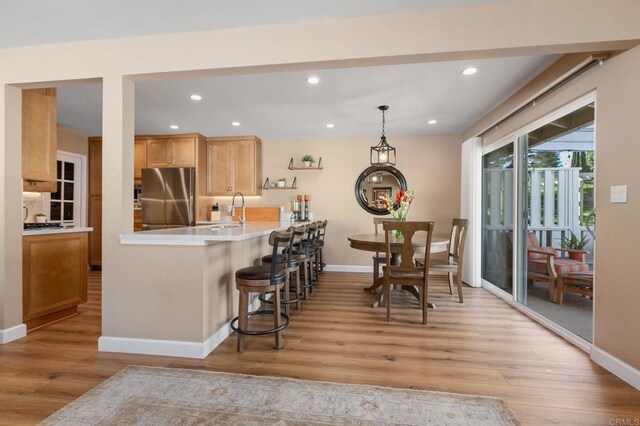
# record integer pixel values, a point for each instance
(306, 251)
(291, 265)
(322, 229)
(262, 279)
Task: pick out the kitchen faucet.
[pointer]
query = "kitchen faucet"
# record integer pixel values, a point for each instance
(243, 217)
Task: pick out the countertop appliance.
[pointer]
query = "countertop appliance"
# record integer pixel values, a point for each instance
(168, 197)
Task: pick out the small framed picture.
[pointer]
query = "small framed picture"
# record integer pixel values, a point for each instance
(382, 191)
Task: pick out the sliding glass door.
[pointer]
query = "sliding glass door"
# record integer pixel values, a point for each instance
(497, 217)
(538, 200)
(559, 195)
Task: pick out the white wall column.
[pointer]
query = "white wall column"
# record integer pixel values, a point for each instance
(118, 120)
(471, 208)
(11, 326)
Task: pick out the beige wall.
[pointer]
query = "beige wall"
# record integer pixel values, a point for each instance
(72, 140)
(431, 165)
(617, 317)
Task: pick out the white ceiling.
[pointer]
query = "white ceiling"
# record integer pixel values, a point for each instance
(284, 105)
(29, 22)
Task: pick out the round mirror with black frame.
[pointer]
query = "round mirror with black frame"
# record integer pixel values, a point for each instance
(375, 181)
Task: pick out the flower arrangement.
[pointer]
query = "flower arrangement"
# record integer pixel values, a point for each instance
(397, 207)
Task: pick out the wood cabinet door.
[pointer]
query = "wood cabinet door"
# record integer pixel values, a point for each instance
(35, 186)
(54, 275)
(95, 166)
(243, 155)
(95, 237)
(39, 134)
(137, 220)
(158, 153)
(182, 152)
(139, 158)
(218, 168)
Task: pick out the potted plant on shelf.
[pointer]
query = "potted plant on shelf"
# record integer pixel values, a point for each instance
(308, 160)
(282, 182)
(574, 243)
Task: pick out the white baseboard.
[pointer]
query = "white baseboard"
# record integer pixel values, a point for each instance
(131, 345)
(175, 348)
(13, 333)
(615, 365)
(348, 268)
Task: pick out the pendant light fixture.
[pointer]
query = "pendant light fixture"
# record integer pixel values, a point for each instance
(383, 154)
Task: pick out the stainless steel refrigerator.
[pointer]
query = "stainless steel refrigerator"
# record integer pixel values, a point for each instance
(168, 197)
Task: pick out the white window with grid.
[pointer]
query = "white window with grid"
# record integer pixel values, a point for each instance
(67, 205)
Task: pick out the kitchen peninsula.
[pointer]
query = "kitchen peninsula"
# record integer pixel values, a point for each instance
(177, 294)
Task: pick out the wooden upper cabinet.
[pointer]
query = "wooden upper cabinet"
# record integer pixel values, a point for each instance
(182, 152)
(139, 158)
(247, 166)
(171, 152)
(95, 166)
(234, 165)
(39, 139)
(218, 168)
(157, 153)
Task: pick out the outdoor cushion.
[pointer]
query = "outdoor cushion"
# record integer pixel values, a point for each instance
(561, 265)
(532, 242)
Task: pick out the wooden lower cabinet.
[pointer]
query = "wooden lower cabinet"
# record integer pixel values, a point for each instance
(95, 238)
(54, 277)
(137, 220)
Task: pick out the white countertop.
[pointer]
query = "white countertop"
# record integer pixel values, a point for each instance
(201, 235)
(53, 231)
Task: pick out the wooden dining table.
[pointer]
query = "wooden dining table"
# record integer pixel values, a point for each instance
(376, 243)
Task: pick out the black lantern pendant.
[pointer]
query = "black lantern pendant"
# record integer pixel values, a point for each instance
(383, 154)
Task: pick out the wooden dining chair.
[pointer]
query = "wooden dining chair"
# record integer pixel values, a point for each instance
(453, 264)
(378, 258)
(407, 273)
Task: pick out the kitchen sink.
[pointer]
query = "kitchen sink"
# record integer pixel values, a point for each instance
(225, 226)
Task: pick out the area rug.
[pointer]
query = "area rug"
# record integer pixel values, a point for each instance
(158, 396)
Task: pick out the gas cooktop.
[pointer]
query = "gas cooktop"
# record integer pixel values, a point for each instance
(41, 225)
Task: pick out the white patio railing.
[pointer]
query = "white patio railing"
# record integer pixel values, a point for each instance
(554, 209)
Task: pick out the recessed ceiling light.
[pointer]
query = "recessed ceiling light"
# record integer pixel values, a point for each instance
(469, 71)
(196, 97)
(313, 80)
(235, 123)
(432, 121)
(330, 125)
(174, 126)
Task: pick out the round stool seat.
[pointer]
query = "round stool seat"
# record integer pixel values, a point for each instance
(292, 263)
(300, 249)
(260, 273)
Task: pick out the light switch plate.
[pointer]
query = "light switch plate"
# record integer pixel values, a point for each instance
(619, 194)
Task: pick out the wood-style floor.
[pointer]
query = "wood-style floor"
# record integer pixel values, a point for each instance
(482, 347)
